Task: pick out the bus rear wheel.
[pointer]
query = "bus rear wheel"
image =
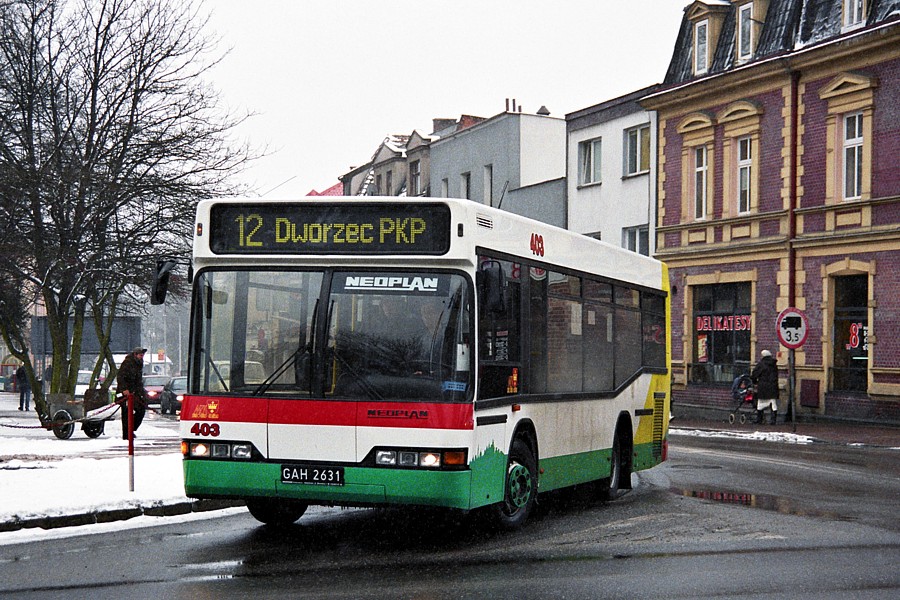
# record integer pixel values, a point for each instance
(610, 489)
(520, 488)
(276, 512)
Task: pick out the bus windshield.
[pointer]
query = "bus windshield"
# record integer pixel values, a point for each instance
(355, 335)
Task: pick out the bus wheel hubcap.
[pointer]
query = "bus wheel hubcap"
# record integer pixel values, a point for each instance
(519, 485)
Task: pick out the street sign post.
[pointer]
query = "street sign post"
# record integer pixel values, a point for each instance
(792, 327)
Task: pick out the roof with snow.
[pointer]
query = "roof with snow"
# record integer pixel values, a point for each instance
(790, 25)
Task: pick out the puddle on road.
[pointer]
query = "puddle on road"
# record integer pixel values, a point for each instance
(779, 504)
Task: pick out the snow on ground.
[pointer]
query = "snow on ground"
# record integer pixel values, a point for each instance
(50, 477)
(765, 436)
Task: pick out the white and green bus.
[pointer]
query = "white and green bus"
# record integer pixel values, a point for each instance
(416, 351)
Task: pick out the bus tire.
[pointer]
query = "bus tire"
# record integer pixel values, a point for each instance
(520, 488)
(276, 512)
(611, 488)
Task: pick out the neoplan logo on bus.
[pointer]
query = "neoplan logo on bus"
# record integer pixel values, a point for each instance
(375, 413)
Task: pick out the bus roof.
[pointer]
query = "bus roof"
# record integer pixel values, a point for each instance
(391, 229)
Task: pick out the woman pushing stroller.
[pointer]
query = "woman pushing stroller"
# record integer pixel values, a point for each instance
(765, 377)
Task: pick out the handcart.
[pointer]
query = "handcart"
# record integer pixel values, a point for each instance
(92, 412)
(744, 395)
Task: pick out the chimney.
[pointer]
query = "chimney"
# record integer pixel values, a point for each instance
(543, 111)
(441, 124)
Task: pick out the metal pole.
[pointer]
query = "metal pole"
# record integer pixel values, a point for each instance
(130, 405)
(791, 389)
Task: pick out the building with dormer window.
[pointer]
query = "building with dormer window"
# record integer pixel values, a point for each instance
(779, 186)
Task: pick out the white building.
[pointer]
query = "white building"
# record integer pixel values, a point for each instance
(611, 172)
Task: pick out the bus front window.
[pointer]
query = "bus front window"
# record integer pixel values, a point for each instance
(398, 337)
(254, 331)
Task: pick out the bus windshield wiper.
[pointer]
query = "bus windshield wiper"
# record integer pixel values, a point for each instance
(301, 349)
(362, 381)
(215, 369)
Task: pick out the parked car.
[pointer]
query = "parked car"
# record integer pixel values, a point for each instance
(81, 383)
(153, 385)
(172, 395)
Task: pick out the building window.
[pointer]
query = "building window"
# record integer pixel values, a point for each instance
(489, 185)
(851, 333)
(466, 185)
(637, 150)
(389, 183)
(853, 151)
(445, 188)
(414, 178)
(701, 47)
(721, 327)
(700, 181)
(378, 189)
(745, 32)
(745, 173)
(637, 239)
(589, 162)
(854, 13)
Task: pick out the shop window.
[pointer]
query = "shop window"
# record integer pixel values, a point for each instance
(851, 333)
(721, 332)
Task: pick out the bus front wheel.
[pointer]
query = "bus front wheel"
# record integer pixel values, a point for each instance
(276, 512)
(520, 487)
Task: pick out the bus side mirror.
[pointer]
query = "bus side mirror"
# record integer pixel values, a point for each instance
(161, 281)
(491, 285)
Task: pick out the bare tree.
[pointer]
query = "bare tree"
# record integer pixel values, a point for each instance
(109, 135)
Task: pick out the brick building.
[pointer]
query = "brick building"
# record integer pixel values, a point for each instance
(779, 186)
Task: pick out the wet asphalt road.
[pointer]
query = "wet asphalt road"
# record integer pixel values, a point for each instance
(722, 518)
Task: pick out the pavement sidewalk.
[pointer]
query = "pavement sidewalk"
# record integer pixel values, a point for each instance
(46, 457)
(855, 433)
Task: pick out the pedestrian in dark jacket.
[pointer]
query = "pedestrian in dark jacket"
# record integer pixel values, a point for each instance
(24, 387)
(765, 376)
(130, 380)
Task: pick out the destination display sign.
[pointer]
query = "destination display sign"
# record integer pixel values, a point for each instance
(340, 228)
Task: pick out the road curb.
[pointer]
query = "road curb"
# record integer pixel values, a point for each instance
(117, 514)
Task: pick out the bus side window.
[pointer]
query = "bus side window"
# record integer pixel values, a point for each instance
(499, 329)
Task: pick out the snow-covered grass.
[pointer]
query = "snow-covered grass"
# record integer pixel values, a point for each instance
(49, 477)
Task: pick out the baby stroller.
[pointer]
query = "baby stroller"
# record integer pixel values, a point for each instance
(743, 394)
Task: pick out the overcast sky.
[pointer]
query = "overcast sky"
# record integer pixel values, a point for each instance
(329, 79)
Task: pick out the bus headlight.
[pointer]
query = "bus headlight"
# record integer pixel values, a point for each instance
(421, 459)
(242, 451)
(385, 457)
(430, 459)
(199, 450)
(220, 450)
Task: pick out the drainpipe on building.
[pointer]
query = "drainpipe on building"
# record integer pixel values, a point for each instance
(792, 234)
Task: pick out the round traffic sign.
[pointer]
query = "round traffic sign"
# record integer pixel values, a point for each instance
(792, 327)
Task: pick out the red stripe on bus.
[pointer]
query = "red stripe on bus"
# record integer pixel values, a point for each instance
(329, 412)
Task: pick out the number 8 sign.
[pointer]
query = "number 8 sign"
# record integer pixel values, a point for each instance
(792, 327)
